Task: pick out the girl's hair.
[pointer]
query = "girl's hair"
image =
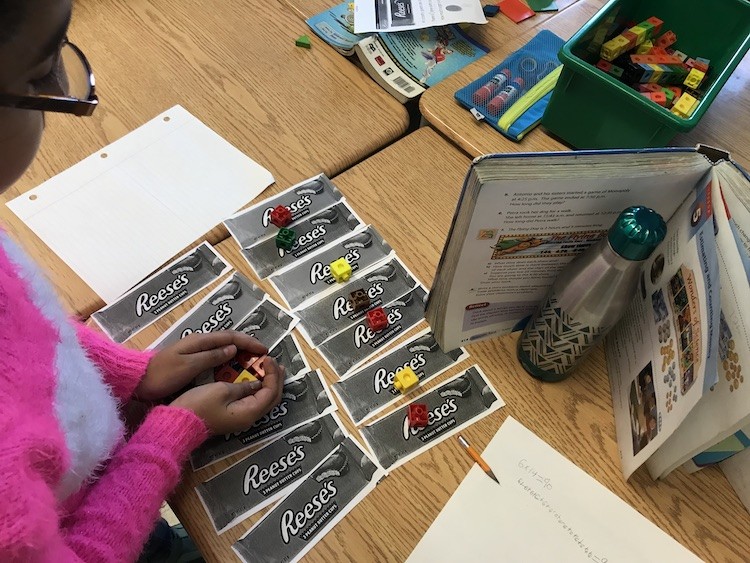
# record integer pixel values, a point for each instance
(11, 16)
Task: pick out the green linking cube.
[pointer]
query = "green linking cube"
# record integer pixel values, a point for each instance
(285, 238)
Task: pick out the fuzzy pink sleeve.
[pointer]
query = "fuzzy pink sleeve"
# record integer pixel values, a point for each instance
(118, 512)
(121, 367)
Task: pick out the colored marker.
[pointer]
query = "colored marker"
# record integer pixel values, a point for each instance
(477, 458)
(511, 91)
(485, 92)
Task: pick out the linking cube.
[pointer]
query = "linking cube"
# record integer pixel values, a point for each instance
(377, 320)
(418, 416)
(341, 270)
(359, 299)
(405, 380)
(245, 376)
(281, 216)
(694, 78)
(685, 106)
(285, 238)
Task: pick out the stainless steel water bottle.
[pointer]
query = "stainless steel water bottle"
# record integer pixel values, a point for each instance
(589, 296)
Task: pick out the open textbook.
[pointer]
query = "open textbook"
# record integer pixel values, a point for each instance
(404, 63)
(675, 359)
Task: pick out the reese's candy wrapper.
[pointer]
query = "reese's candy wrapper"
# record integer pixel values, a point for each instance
(334, 313)
(302, 200)
(302, 400)
(222, 309)
(268, 323)
(288, 353)
(304, 517)
(460, 401)
(266, 475)
(359, 342)
(154, 297)
(312, 276)
(312, 233)
(370, 389)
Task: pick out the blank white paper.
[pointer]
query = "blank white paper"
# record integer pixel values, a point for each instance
(114, 219)
(545, 509)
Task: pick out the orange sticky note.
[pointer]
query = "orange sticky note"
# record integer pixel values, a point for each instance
(516, 10)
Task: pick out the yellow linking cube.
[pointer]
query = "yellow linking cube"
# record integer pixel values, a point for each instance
(341, 270)
(245, 376)
(405, 380)
(685, 106)
(694, 78)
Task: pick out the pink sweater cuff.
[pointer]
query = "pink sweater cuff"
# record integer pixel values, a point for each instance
(172, 429)
(121, 367)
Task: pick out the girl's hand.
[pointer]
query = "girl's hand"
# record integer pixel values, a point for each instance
(174, 367)
(234, 407)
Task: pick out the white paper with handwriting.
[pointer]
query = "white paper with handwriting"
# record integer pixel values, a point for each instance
(545, 509)
(122, 212)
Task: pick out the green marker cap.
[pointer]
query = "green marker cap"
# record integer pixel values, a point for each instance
(637, 232)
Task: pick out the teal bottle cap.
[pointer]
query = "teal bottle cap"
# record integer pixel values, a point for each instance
(637, 232)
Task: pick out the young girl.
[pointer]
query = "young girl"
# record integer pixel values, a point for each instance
(71, 487)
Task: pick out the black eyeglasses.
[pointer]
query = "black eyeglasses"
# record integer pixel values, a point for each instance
(80, 97)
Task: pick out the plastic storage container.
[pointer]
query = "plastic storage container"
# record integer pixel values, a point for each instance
(590, 109)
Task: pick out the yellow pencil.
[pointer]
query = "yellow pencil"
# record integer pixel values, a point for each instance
(478, 458)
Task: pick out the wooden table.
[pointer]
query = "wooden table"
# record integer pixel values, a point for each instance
(408, 191)
(297, 112)
(725, 125)
(494, 34)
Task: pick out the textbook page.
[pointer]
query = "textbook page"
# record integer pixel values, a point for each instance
(544, 509)
(122, 212)
(523, 232)
(662, 355)
(403, 15)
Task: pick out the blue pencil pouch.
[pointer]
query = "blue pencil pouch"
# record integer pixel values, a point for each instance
(513, 96)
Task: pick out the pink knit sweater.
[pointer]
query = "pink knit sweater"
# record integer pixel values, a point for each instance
(71, 488)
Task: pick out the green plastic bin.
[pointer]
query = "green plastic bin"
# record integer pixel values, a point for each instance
(591, 110)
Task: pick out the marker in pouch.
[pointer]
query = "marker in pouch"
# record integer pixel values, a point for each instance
(510, 92)
(485, 92)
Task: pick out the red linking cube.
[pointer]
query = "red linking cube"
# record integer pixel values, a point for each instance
(377, 319)
(418, 416)
(281, 216)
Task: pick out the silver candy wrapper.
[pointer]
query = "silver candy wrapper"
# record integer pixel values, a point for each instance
(303, 399)
(354, 345)
(267, 474)
(334, 313)
(162, 292)
(312, 276)
(268, 323)
(452, 406)
(370, 389)
(304, 199)
(304, 517)
(222, 309)
(312, 234)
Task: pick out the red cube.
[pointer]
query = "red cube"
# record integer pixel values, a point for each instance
(281, 216)
(377, 319)
(418, 416)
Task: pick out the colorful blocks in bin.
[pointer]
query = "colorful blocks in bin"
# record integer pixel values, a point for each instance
(418, 415)
(285, 238)
(702, 64)
(666, 39)
(341, 270)
(657, 25)
(377, 320)
(685, 106)
(656, 97)
(359, 299)
(614, 48)
(640, 32)
(281, 216)
(645, 47)
(405, 380)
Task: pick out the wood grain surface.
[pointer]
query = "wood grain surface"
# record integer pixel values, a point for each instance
(233, 65)
(409, 191)
(726, 124)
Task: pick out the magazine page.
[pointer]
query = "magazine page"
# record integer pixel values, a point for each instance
(662, 355)
(525, 228)
(403, 15)
(410, 61)
(336, 27)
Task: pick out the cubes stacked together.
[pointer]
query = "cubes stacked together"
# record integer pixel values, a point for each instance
(644, 57)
